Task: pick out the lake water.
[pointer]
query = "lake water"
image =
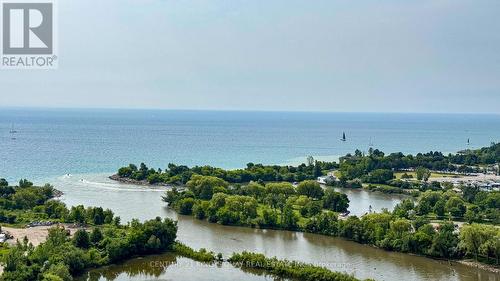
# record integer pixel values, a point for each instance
(57, 142)
(91, 144)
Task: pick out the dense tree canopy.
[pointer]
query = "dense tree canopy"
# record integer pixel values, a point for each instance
(175, 174)
(311, 189)
(376, 166)
(60, 256)
(275, 204)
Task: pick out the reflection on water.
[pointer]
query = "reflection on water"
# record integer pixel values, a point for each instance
(337, 254)
(170, 267)
(361, 200)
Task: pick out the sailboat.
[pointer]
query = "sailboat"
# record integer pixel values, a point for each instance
(12, 130)
(343, 137)
(468, 141)
(371, 143)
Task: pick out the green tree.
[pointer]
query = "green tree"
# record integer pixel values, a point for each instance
(56, 209)
(25, 199)
(445, 242)
(284, 188)
(439, 207)
(255, 190)
(185, 206)
(81, 239)
(423, 239)
(403, 209)
(269, 217)
(472, 214)
(125, 172)
(289, 218)
(3, 183)
(203, 186)
(77, 214)
(57, 271)
(472, 237)
(492, 246)
(312, 208)
(25, 183)
(317, 169)
(200, 209)
(422, 173)
(325, 223)
(96, 236)
(455, 206)
(398, 236)
(379, 176)
(335, 201)
(311, 189)
(244, 206)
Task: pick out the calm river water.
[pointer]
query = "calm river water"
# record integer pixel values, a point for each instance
(171, 267)
(362, 261)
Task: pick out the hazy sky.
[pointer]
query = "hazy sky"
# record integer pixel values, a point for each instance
(418, 56)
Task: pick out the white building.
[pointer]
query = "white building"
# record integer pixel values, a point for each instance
(326, 179)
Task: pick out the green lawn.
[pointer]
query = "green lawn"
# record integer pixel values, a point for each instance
(433, 175)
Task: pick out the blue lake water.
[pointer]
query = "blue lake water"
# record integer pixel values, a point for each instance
(52, 142)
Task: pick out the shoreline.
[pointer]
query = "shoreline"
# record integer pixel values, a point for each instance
(38, 234)
(476, 264)
(467, 262)
(129, 181)
(57, 194)
(117, 178)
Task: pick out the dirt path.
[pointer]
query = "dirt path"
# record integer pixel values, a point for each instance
(35, 235)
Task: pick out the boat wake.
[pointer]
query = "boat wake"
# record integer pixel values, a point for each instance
(100, 181)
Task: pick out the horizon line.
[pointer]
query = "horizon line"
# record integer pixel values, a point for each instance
(241, 110)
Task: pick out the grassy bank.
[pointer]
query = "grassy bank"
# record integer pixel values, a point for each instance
(287, 269)
(202, 255)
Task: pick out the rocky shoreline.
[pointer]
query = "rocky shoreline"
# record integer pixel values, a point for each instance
(117, 178)
(57, 193)
(483, 266)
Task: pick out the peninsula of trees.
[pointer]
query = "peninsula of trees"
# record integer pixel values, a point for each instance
(253, 172)
(374, 167)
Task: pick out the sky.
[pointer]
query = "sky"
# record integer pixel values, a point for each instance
(332, 55)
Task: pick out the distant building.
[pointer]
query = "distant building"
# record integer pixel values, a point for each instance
(327, 179)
